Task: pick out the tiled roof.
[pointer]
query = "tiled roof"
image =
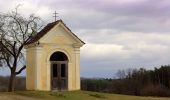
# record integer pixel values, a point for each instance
(45, 30)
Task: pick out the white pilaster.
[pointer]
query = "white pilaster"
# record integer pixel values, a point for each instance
(70, 76)
(27, 71)
(77, 67)
(48, 75)
(38, 58)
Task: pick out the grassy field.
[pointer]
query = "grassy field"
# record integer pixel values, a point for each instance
(74, 95)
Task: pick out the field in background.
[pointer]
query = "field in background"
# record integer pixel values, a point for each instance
(73, 95)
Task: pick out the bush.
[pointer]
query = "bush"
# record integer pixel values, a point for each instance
(98, 85)
(155, 90)
(98, 96)
(19, 83)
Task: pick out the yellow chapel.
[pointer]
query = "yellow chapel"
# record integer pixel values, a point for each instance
(53, 59)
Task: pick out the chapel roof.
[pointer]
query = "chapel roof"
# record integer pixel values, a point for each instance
(46, 29)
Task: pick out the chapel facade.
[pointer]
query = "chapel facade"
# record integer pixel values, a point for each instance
(53, 59)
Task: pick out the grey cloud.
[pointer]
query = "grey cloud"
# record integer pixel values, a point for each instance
(142, 16)
(138, 50)
(105, 66)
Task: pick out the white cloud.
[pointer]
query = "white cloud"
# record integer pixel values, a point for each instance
(95, 51)
(124, 50)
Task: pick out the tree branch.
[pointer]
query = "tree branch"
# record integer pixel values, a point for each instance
(16, 73)
(8, 63)
(14, 48)
(6, 48)
(15, 35)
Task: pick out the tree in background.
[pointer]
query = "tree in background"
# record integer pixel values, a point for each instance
(15, 31)
(140, 82)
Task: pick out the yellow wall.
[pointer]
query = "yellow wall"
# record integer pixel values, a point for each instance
(30, 80)
(38, 64)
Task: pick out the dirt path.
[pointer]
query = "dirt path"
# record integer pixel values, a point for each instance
(15, 97)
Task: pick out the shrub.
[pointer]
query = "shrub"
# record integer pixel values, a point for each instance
(97, 95)
(155, 90)
(19, 83)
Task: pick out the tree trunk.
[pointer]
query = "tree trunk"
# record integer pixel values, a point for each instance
(11, 82)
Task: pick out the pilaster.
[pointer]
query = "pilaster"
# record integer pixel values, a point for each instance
(38, 59)
(77, 67)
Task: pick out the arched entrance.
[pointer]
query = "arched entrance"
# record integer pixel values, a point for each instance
(59, 71)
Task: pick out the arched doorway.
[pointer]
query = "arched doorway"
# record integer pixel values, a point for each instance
(59, 71)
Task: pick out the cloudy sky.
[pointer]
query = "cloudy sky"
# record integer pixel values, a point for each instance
(119, 34)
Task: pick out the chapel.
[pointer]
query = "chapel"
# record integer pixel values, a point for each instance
(53, 59)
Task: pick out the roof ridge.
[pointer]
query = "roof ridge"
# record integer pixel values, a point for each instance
(47, 28)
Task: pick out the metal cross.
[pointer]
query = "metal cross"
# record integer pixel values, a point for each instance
(55, 15)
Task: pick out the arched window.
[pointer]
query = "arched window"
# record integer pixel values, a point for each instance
(58, 56)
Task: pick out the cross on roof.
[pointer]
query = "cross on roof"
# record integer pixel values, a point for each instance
(55, 15)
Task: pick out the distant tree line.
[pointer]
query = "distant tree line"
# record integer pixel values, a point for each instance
(140, 82)
(20, 83)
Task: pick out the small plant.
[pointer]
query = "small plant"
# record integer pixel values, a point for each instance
(60, 95)
(97, 95)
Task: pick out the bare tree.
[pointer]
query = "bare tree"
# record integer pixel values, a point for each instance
(121, 74)
(15, 31)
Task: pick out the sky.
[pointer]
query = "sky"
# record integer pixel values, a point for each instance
(119, 34)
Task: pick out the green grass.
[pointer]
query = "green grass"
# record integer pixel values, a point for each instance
(73, 95)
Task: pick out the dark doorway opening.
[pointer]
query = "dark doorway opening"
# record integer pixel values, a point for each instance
(59, 71)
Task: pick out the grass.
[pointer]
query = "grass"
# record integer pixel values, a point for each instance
(73, 95)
